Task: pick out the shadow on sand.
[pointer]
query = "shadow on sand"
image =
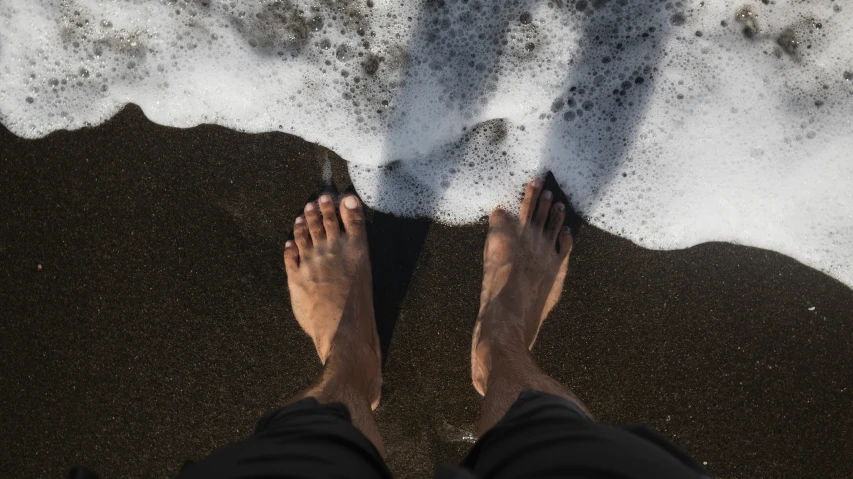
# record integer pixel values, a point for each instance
(624, 33)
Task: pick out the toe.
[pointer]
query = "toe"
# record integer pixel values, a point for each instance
(555, 222)
(565, 243)
(352, 215)
(315, 224)
(499, 218)
(300, 234)
(330, 218)
(542, 209)
(528, 204)
(500, 222)
(291, 257)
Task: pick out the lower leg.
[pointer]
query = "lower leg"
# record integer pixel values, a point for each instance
(511, 370)
(345, 379)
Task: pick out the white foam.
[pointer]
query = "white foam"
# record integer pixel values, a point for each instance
(445, 108)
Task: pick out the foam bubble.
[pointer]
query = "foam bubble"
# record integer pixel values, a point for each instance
(668, 122)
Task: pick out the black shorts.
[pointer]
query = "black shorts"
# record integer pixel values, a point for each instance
(541, 436)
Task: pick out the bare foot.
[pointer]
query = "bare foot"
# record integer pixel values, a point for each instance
(328, 274)
(523, 277)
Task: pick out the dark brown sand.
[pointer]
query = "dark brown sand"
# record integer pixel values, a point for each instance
(145, 318)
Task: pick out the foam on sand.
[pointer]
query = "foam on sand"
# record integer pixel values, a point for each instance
(671, 123)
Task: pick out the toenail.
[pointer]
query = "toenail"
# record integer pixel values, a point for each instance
(288, 244)
(546, 195)
(299, 219)
(309, 207)
(536, 184)
(351, 203)
(560, 207)
(566, 230)
(325, 199)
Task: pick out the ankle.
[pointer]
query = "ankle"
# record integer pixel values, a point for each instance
(345, 354)
(346, 339)
(495, 352)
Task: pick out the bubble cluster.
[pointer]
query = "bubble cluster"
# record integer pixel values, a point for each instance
(670, 122)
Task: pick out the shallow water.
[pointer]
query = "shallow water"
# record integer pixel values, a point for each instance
(669, 123)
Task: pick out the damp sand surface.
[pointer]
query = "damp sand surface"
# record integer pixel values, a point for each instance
(146, 320)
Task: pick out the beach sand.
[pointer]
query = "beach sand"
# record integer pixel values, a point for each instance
(145, 318)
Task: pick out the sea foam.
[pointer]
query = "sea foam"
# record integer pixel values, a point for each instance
(670, 123)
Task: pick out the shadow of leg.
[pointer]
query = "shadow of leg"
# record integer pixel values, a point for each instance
(395, 245)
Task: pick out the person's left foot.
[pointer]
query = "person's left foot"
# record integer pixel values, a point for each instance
(328, 275)
(523, 277)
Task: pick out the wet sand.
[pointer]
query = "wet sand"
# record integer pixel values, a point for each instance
(145, 318)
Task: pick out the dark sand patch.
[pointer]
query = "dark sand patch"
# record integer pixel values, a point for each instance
(158, 326)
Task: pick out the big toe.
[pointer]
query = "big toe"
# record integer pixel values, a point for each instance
(352, 215)
(501, 225)
(499, 217)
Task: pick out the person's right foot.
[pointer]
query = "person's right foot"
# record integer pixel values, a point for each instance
(523, 277)
(329, 278)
